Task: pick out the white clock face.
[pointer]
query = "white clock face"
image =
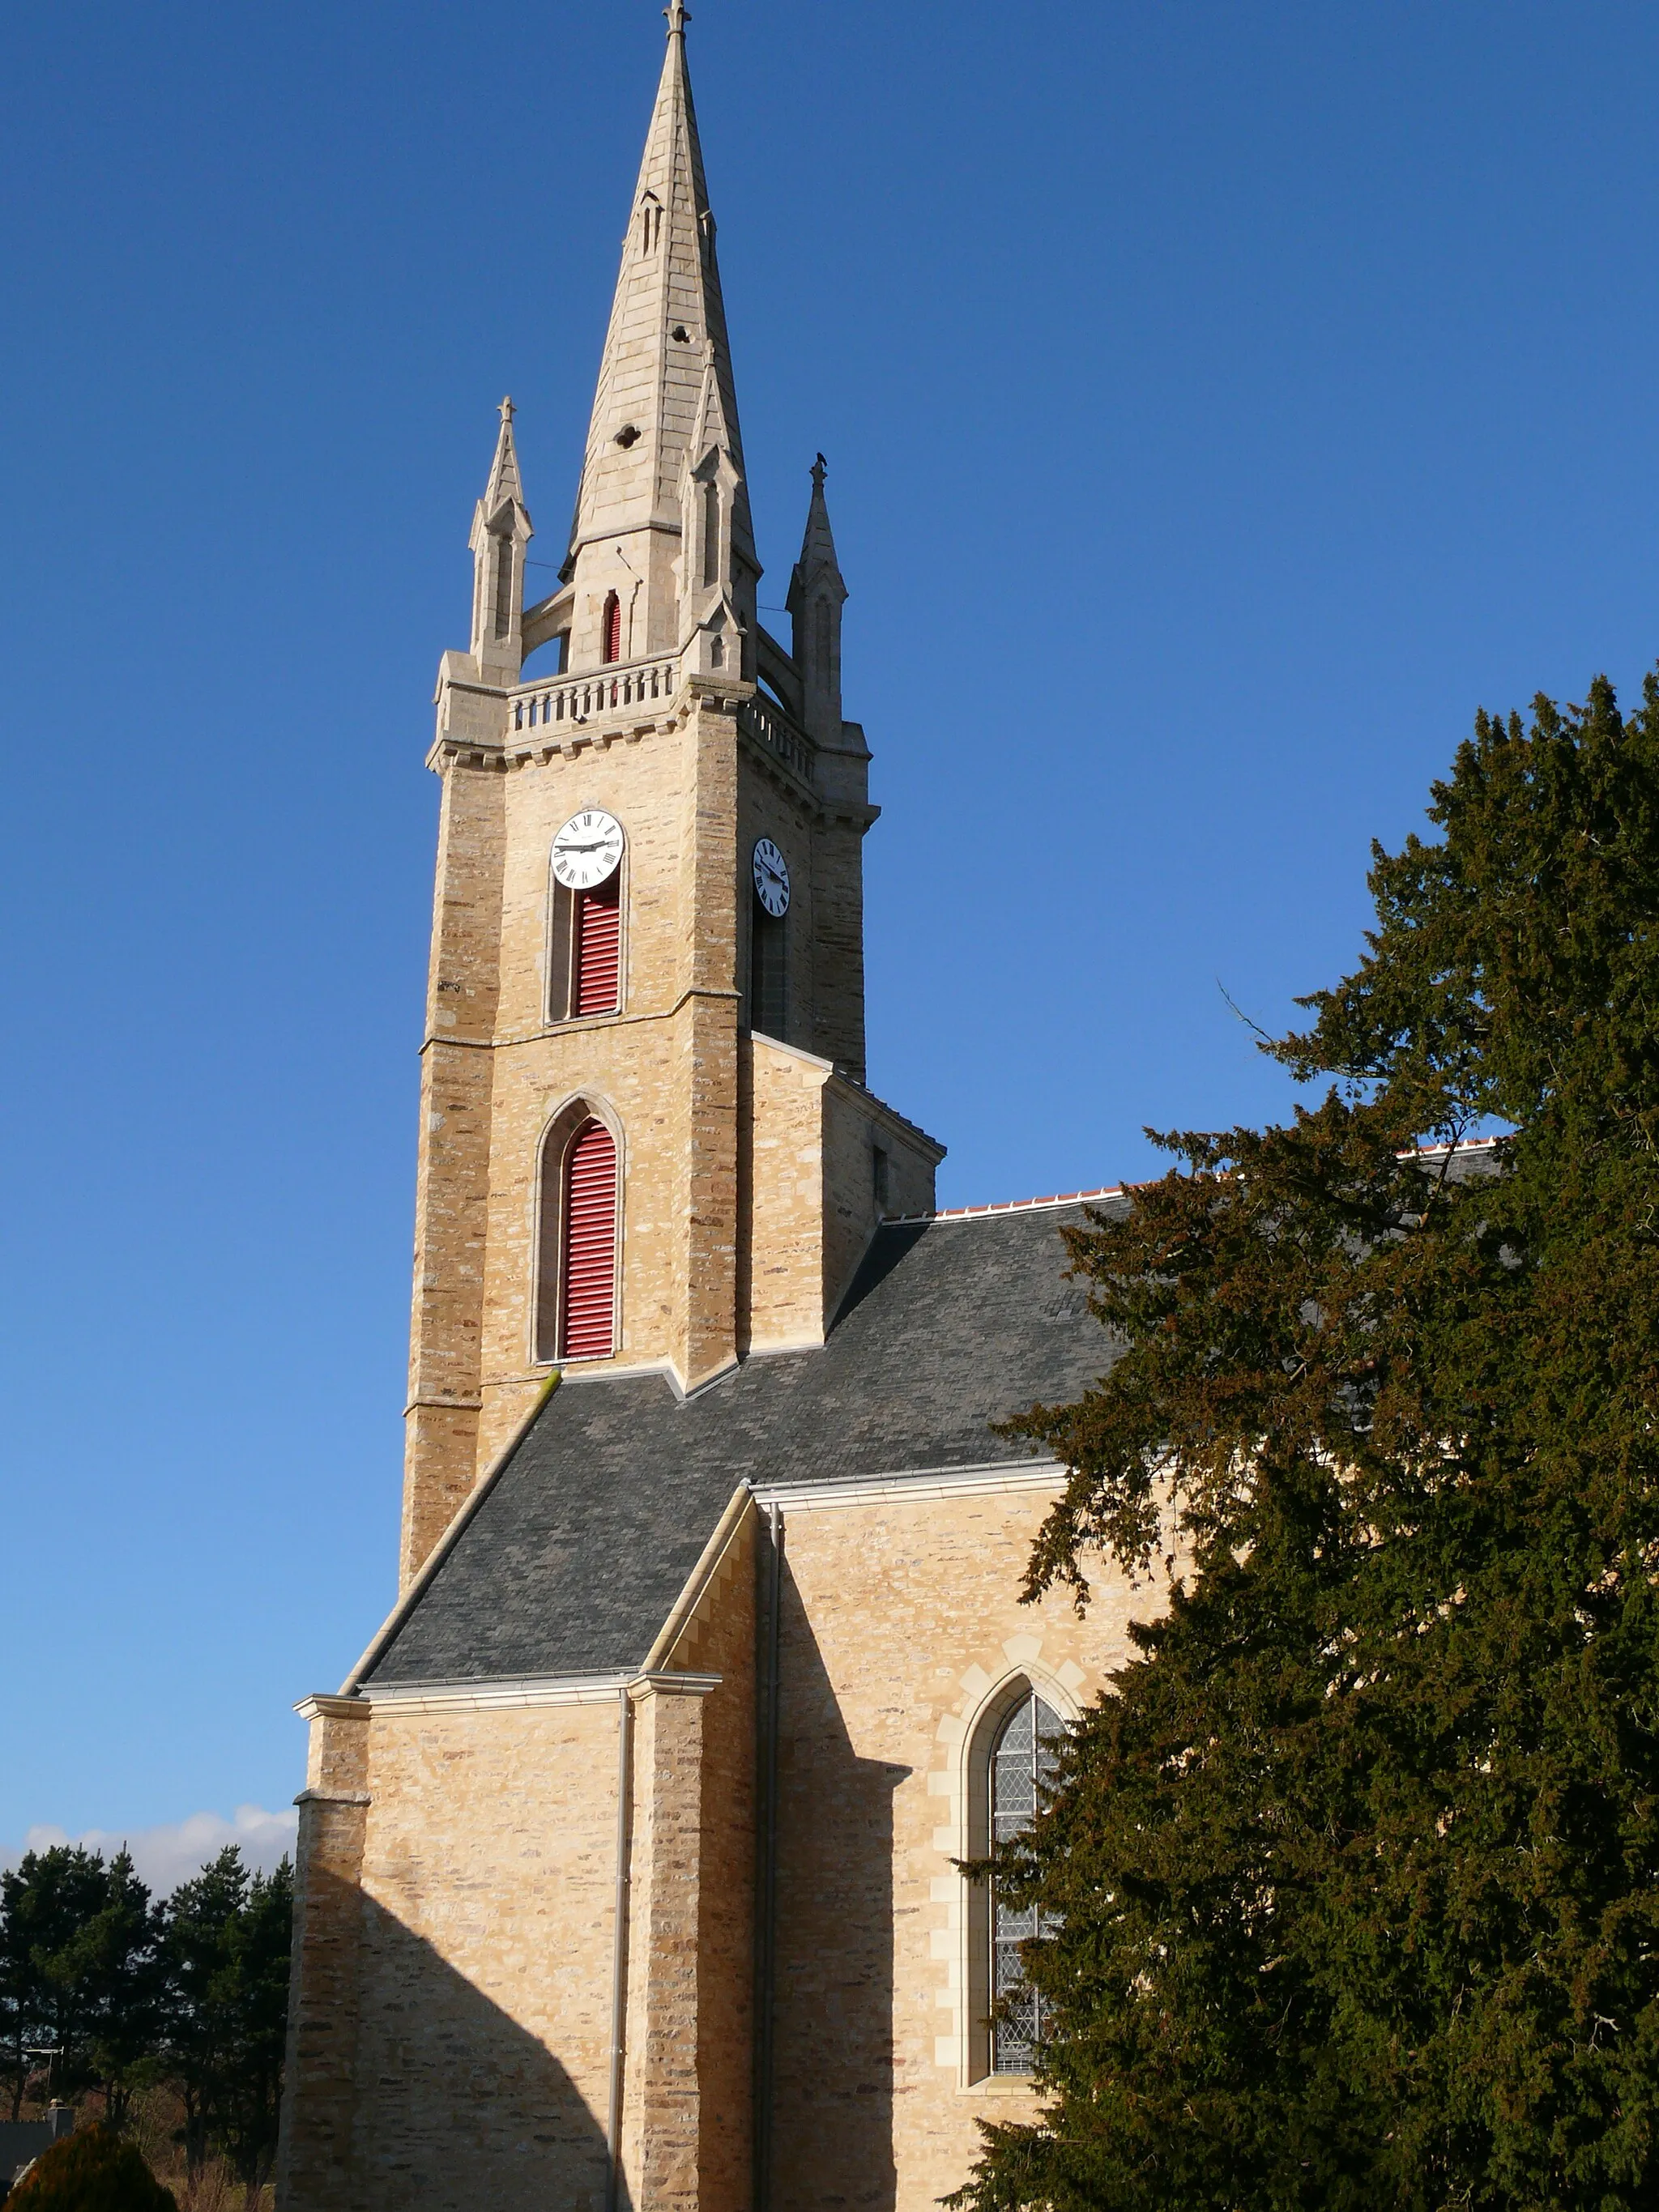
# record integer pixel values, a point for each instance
(771, 878)
(588, 850)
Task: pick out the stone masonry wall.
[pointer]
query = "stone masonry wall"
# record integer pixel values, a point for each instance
(808, 1183)
(719, 1638)
(319, 2104)
(452, 1184)
(902, 1628)
(783, 1242)
(487, 1888)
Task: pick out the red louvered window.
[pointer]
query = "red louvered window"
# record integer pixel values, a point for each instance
(596, 971)
(613, 628)
(590, 1245)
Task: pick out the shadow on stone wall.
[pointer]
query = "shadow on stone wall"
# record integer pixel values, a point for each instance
(454, 2104)
(832, 2129)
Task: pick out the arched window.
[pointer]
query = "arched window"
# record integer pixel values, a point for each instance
(576, 1299)
(1022, 1758)
(610, 644)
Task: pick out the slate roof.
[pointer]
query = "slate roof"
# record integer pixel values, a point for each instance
(575, 1554)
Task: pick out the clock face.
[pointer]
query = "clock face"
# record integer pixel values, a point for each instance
(771, 878)
(588, 850)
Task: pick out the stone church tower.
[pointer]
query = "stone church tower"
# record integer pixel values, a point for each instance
(679, 718)
(628, 1852)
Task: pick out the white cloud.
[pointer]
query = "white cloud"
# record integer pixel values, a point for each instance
(167, 1856)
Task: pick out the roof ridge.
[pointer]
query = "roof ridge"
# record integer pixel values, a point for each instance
(1004, 1205)
(1121, 1189)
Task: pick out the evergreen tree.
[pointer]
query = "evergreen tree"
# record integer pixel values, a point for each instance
(16, 1984)
(77, 1943)
(226, 1947)
(1354, 1873)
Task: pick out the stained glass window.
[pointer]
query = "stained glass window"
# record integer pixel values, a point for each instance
(1022, 1757)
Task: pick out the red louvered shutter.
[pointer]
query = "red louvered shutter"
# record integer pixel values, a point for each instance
(613, 628)
(598, 948)
(590, 1245)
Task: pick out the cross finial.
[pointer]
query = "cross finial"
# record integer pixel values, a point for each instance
(678, 16)
(507, 410)
(820, 470)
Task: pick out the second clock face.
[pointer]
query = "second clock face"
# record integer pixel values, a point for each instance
(771, 878)
(588, 850)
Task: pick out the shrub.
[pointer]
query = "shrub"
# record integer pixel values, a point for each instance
(92, 2171)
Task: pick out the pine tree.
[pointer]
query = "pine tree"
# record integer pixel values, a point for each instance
(225, 1945)
(77, 1963)
(1354, 1873)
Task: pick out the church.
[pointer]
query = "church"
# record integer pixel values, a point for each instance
(629, 1851)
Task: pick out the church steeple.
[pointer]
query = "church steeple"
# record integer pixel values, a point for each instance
(665, 408)
(501, 530)
(645, 1134)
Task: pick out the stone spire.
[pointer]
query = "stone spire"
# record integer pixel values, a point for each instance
(504, 480)
(653, 417)
(501, 530)
(817, 595)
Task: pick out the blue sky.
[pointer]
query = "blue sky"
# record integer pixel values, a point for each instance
(1221, 403)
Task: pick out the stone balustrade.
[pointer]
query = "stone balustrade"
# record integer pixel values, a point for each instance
(574, 699)
(570, 701)
(775, 730)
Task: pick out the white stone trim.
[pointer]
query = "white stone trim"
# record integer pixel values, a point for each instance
(598, 1371)
(1007, 1206)
(533, 1690)
(1123, 1189)
(915, 1486)
(319, 1707)
(739, 1507)
(597, 1108)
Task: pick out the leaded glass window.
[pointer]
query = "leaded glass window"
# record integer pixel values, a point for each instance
(1022, 1757)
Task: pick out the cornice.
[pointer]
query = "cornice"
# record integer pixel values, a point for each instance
(912, 1487)
(553, 1029)
(525, 1692)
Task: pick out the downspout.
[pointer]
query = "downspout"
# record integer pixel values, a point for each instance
(619, 1950)
(766, 1949)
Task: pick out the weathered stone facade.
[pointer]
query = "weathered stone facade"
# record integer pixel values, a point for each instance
(629, 1853)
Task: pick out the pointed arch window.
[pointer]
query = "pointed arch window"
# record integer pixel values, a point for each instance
(611, 628)
(580, 1211)
(1021, 1762)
